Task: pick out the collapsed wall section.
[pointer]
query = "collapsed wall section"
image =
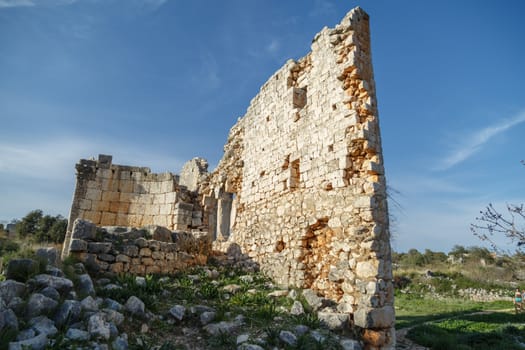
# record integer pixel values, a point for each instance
(107, 194)
(303, 170)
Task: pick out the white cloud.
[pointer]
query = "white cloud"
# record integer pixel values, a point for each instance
(476, 140)
(273, 46)
(54, 159)
(16, 3)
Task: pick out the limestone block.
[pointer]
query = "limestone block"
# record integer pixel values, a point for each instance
(99, 206)
(99, 247)
(152, 269)
(93, 194)
(130, 250)
(158, 255)
(93, 216)
(122, 219)
(170, 197)
(108, 219)
(145, 252)
(84, 204)
(117, 267)
(110, 196)
(78, 245)
(366, 269)
(125, 186)
(374, 318)
(127, 197)
(122, 258)
(147, 261)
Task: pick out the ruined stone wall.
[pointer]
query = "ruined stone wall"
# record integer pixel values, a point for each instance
(116, 195)
(150, 250)
(305, 173)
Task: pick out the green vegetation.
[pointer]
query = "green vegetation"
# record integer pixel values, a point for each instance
(42, 228)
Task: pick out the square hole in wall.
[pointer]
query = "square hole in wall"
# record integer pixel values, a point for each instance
(299, 97)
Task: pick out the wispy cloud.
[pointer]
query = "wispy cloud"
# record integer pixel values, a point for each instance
(477, 140)
(54, 159)
(274, 46)
(16, 3)
(322, 8)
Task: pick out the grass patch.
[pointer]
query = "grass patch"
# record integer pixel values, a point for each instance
(414, 309)
(480, 332)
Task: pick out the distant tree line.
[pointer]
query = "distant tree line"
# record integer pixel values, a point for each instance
(42, 228)
(414, 258)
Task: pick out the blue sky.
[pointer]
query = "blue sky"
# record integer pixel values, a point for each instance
(158, 82)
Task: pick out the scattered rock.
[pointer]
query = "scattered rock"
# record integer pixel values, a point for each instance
(221, 327)
(178, 312)
(38, 342)
(85, 285)
(10, 289)
(61, 284)
(8, 320)
(278, 293)
(39, 304)
(77, 334)
(288, 338)
(301, 329)
(43, 325)
(242, 338)
(50, 292)
(49, 254)
(135, 306)
(89, 304)
(231, 288)
(297, 308)
(312, 299)
(207, 316)
(334, 321)
(68, 313)
(350, 344)
(98, 327)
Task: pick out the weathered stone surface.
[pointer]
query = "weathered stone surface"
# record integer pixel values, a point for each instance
(77, 334)
(38, 342)
(350, 344)
(207, 317)
(39, 304)
(178, 312)
(8, 320)
(43, 325)
(297, 308)
(99, 247)
(68, 313)
(10, 289)
(85, 285)
(50, 292)
(300, 191)
(288, 338)
(98, 328)
(312, 299)
(221, 327)
(159, 233)
(78, 245)
(120, 343)
(49, 254)
(83, 229)
(89, 304)
(375, 318)
(135, 306)
(333, 321)
(61, 284)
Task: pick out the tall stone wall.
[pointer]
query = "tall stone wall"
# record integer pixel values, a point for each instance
(304, 173)
(300, 188)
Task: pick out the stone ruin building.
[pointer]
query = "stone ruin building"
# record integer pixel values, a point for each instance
(300, 189)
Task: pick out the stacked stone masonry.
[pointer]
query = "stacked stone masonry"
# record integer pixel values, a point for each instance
(300, 189)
